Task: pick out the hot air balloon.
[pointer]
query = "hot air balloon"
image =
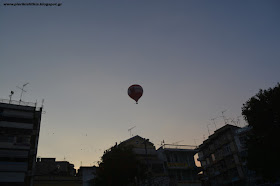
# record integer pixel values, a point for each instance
(135, 92)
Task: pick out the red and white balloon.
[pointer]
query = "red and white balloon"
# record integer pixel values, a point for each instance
(135, 92)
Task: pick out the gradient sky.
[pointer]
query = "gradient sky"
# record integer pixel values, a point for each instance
(194, 59)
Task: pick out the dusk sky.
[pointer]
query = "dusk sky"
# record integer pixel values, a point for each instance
(194, 59)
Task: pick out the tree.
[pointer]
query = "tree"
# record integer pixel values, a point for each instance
(262, 112)
(119, 166)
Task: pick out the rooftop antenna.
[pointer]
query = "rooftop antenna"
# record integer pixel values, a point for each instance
(12, 92)
(213, 119)
(223, 116)
(130, 130)
(238, 120)
(208, 128)
(22, 90)
(234, 122)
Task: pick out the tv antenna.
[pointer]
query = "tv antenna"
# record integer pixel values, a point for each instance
(208, 128)
(238, 120)
(223, 116)
(22, 90)
(130, 130)
(234, 122)
(213, 119)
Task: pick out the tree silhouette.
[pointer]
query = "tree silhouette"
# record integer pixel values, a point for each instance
(119, 166)
(262, 112)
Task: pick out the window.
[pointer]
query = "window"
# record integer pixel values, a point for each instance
(23, 140)
(7, 139)
(227, 149)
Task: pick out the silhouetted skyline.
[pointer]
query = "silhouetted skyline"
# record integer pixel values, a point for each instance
(193, 60)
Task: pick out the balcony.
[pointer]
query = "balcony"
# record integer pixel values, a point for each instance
(13, 166)
(178, 165)
(13, 102)
(5, 145)
(180, 147)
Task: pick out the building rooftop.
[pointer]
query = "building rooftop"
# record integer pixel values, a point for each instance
(173, 147)
(135, 137)
(20, 103)
(218, 132)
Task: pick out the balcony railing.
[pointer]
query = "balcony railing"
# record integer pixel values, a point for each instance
(22, 103)
(185, 147)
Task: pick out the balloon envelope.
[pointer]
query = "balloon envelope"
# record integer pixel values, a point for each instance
(135, 92)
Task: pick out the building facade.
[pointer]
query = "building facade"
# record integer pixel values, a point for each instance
(179, 164)
(220, 158)
(169, 165)
(87, 175)
(51, 172)
(146, 153)
(19, 135)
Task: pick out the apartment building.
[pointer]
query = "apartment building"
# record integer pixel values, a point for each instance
(179, 164)
(87, 174)
(220, 158)
(146, 153)
(19, 135)
(48, 171)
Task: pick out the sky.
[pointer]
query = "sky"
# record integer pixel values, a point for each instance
(194, 60)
